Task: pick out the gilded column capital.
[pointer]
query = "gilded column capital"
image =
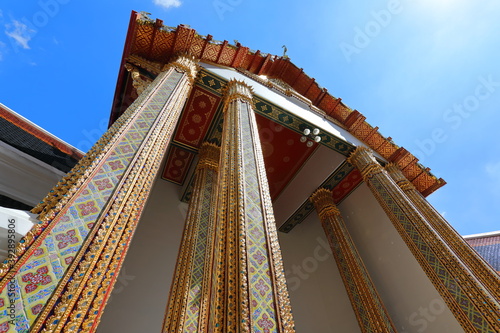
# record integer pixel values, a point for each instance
(209, 156)
(363, 159)
(237, 89)
(185, 63)
(138, 82)
(323, 201)
(398, 177)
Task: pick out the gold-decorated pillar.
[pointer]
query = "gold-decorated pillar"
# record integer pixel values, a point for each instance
(249, 288)
(365, 301)
(482, 271)
(465, 296)
(64, 270)
(189, 299)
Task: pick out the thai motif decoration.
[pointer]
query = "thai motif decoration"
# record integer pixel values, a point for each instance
(249, 292)
(189, 301)
(66, 266)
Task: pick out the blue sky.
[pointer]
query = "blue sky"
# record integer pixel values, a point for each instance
(426, 72)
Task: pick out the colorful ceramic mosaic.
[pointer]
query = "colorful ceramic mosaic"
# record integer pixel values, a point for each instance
(201, 261)
(189, 296)
(260, 284)
(39, 275)
(249, 290)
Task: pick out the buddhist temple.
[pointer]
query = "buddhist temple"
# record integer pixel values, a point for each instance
(231, 193)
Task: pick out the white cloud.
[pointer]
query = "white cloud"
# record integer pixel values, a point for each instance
(20, 33)
(167, 3)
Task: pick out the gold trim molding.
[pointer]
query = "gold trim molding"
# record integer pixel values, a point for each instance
(323, 202)
(209, 156)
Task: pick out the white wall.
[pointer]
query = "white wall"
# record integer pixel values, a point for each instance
(319, 300)
(140, 295)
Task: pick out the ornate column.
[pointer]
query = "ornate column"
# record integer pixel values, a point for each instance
(366, 303)
(482, 271)
(249, 288)
(64, 270)
(189, 300)
(467, 299)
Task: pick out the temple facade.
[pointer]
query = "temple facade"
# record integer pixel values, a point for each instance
(232, 193)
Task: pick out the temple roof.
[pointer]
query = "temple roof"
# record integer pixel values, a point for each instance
(158, 44)
(488, 246)
(31, 139)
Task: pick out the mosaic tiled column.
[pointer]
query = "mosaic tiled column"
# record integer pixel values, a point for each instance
(483, 272)
(366, 303)
(249, 288)
(467, 299)
(189, 300)
(64, 271)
